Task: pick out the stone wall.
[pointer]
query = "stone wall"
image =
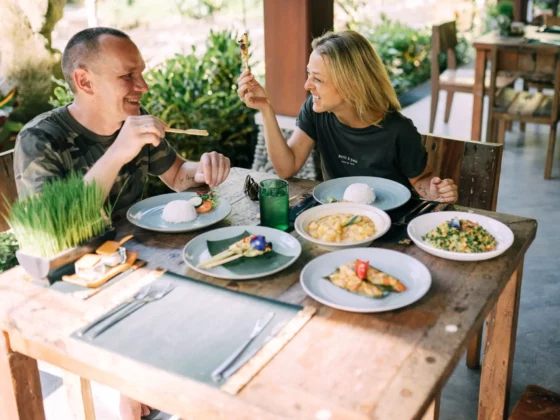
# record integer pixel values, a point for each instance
(311, 169)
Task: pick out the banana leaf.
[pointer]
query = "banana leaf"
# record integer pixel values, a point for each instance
(266, 262)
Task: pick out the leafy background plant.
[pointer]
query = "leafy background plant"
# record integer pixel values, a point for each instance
(8, 248)
(405, 50)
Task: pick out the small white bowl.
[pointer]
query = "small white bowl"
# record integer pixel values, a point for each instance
(379, 218)
(421, 225)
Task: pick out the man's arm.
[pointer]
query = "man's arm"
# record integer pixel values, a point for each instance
(212, 169)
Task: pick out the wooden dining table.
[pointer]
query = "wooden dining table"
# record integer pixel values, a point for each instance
(483, 46)
(340, 365)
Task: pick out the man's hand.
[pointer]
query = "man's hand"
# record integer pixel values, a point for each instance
(443, 190)
(136, 132)
(213, 169)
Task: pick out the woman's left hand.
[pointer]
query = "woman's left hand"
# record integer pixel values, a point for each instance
(443, 190)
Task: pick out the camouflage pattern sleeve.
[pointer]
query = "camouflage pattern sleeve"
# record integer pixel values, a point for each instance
(161, 158)
(35, 161)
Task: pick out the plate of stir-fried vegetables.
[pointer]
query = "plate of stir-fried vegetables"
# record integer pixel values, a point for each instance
(460, 236)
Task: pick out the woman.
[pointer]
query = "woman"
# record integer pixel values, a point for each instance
(353, 116)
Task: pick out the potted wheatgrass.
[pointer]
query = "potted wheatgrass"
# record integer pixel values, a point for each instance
(56, 227)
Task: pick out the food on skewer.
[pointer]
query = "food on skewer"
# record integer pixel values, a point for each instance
(361, 278)
(250, 246)
(244, 44)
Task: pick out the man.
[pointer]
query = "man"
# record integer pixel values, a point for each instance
(106, 135)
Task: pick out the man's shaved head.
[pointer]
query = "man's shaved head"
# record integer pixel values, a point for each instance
(82, 51)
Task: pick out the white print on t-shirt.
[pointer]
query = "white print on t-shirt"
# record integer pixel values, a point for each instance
(347, 160)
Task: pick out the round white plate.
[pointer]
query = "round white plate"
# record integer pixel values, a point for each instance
(421, 225)
(389, 194)
(196, 251)
(147, 214)
(411, 272)
(380, 219)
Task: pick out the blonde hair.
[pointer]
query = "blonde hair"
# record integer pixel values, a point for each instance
(358, 74)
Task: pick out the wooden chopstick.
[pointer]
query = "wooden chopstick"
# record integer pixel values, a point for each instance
(190, 131)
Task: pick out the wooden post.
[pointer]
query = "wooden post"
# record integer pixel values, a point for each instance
(289, 27)
(495, 381)
(7, 183)
(20, 387)
(80, 400)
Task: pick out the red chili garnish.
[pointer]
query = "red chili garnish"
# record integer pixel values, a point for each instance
(361, 269)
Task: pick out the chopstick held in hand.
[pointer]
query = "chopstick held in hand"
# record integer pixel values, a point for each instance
(190, 131)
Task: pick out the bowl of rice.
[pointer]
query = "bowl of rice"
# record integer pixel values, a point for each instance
(460, 236)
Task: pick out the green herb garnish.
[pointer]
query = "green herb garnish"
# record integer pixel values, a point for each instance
(351, 221)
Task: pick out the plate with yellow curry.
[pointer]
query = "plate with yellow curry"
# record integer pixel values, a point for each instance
(342, 225)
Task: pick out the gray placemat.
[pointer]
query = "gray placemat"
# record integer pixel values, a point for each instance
(193, 329)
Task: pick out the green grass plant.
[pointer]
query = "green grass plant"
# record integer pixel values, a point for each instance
(66, 214)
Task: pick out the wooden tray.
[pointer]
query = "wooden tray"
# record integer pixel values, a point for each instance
(74, 279)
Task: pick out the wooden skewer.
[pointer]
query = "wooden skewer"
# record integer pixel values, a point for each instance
(190, 131)
(224, 254)
(217, 263)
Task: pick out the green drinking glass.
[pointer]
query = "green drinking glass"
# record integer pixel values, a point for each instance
(273, 199)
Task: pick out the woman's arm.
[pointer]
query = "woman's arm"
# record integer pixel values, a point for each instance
(433, 188)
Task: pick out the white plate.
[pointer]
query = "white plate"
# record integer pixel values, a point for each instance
(147, 214)
(196, 251)
(411, 272)
(421, 225)
(380, 219)
(389, 194)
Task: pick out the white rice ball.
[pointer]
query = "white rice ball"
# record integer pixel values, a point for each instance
(359, 193)
(179, 211)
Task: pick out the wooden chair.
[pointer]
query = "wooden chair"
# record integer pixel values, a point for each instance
(444, 39)
(537, 403)
(540, 86)
(551, 20)
(7, 184)
(475, 168)
(536, 62)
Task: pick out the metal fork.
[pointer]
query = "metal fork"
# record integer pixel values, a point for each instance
(259, 326)
(416, 211)
(158, 292)
(141, 294)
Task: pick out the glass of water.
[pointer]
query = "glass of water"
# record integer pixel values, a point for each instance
(273, 199)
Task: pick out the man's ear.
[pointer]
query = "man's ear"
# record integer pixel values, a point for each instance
(82, 80)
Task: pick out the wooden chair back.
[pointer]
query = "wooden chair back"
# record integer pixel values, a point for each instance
(7, 184)
(472, 165)
(538, 62)
(444, 40)
(551, 20)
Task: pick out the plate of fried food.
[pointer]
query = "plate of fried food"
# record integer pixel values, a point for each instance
(460, 236)
(366, 279)
(241, 252)
(179, 212)
(342, 225)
